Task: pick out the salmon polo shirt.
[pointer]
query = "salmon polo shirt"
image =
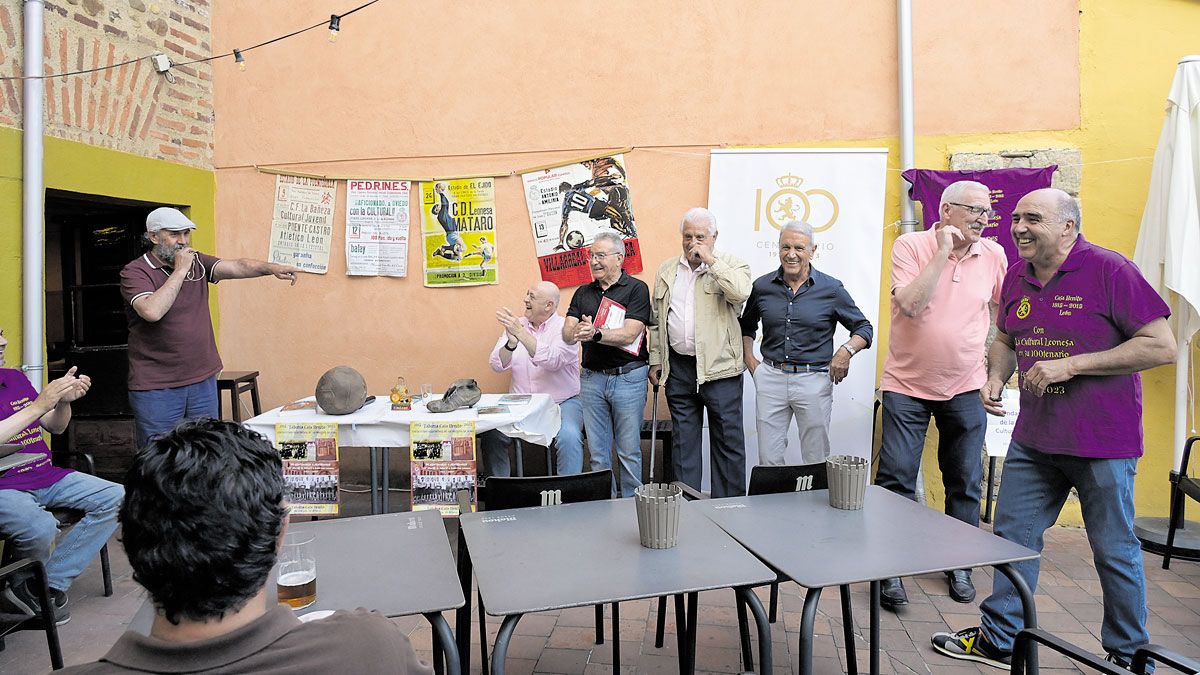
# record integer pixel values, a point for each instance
(1095, 301)
(938, 354)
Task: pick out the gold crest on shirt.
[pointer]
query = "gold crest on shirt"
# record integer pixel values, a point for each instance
(1023, 308)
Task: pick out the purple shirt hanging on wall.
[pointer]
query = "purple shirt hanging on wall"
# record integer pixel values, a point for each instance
(1007, 186)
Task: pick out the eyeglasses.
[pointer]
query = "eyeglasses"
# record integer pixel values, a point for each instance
(975, 211)
(602, 256)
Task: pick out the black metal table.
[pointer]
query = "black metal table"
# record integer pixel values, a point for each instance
(818, 546)
(399, 564)
(589, 553)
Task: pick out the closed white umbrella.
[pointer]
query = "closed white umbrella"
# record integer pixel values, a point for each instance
(1168, 248)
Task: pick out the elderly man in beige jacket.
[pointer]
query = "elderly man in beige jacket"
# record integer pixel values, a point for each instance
(696, 348)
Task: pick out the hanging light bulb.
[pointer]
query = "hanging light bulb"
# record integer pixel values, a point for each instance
(239, 59)
(335, 24)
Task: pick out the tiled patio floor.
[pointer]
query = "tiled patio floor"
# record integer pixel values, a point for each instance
(1068, 601)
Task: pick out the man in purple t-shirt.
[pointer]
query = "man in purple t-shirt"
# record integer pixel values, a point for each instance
(27, 492)
(173, 360)
(1078, 322)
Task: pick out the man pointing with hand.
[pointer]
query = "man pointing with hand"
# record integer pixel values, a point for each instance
(173, 360)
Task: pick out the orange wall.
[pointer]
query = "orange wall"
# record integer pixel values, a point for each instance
(463, 88)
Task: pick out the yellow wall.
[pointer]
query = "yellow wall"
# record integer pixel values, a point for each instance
(86, 169)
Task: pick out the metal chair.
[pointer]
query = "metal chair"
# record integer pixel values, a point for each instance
(1163, 656)
(1182, 484)
(499, 493)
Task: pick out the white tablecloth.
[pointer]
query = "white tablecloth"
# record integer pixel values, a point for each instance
(376, 425)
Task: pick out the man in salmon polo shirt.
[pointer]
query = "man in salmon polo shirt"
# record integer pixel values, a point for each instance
(945, 284)
(173, 360)
(1078, 322)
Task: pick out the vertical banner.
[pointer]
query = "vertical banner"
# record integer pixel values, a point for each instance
(377, 227)
(310, 466)
(458, 224)
(1006, 187)
(840, 192)
(302, 223)
(442, 458)
(568, 205)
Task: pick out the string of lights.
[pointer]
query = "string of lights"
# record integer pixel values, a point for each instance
(334, 24)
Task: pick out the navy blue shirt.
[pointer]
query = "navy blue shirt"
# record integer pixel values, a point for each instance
(798, 328)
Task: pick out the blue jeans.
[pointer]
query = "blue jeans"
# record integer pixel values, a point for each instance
(31, 528)
(961, 423)
(613, 406)
(568, 444)
(1033, 488)
(158, 411)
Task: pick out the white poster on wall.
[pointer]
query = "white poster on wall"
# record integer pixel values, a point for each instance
(302, 223)
(377, 227)
(840, 192)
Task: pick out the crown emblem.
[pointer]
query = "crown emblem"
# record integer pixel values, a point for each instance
(789, 181)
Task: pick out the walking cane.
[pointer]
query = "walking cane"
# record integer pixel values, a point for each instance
(653, 430)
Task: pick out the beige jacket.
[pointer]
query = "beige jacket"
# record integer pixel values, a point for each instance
(720, 293)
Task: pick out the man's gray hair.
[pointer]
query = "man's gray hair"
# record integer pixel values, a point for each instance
(954, 192)
(799, 227)
(611, 237)
(1068, 209)
(699, 215)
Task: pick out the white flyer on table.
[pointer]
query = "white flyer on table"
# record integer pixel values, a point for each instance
(377, 218)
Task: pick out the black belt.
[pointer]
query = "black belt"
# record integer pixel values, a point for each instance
(797, 367)
(619, 370)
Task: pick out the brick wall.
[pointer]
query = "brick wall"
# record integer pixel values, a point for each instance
(131, 108)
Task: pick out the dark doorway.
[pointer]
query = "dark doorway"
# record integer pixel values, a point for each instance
(88, 240)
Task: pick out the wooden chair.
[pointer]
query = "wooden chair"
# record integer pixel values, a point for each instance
(1182, 485)
(45, 621)
(499, 493)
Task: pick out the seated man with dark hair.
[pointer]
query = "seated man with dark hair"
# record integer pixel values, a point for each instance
(203, 517)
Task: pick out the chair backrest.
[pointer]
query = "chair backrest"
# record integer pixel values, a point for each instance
(514, 493)
(767, 480)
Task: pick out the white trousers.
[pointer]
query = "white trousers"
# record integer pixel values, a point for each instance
(781, 396)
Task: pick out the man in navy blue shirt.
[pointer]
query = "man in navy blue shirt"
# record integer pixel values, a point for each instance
(799, 308)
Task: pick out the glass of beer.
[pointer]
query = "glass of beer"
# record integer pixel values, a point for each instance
(296, 584)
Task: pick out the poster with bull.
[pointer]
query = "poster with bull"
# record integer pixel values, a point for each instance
(568, 205)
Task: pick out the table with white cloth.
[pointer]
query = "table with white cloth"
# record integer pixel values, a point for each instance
(376, 426)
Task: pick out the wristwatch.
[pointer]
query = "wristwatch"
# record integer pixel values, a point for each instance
(512, 348)
(597, 336)
(850, 350)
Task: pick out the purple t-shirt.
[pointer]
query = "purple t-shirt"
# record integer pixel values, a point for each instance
(1097, 300)
(179, 349)
(16, 393)
(1007, 187)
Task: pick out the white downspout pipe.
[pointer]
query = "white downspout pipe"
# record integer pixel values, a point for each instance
(33, 229)
(908, 222)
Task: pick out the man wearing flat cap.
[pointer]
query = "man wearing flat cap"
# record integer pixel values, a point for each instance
(173, 360)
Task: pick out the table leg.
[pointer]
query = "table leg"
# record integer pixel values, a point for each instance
(462, 618)
(374, 480)
(765, 662)
(443, 637)
(693, 605)
(1027, 604)
(681, 636)
(875, 627)
(599, 624)
(848, 630)
(616, 636)
(661, 627)
(808, 619)
(502, 638)
(743, 630)
(991, 477)
(387, 479)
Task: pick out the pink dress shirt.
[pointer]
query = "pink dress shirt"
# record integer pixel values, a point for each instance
(681, 314)
(553, 369)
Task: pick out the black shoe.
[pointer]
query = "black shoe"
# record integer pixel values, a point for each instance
(891, 593)
(961, 588)
(23, 597)
(970, 644)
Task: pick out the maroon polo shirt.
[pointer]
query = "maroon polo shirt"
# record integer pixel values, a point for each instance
(179, 349)
(1095, 301)
(16, 393)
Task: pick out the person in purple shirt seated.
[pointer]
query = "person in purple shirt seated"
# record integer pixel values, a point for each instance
(531, 347)
(173, 360)
(29, 491)
(202, 525)
(1077, 322)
